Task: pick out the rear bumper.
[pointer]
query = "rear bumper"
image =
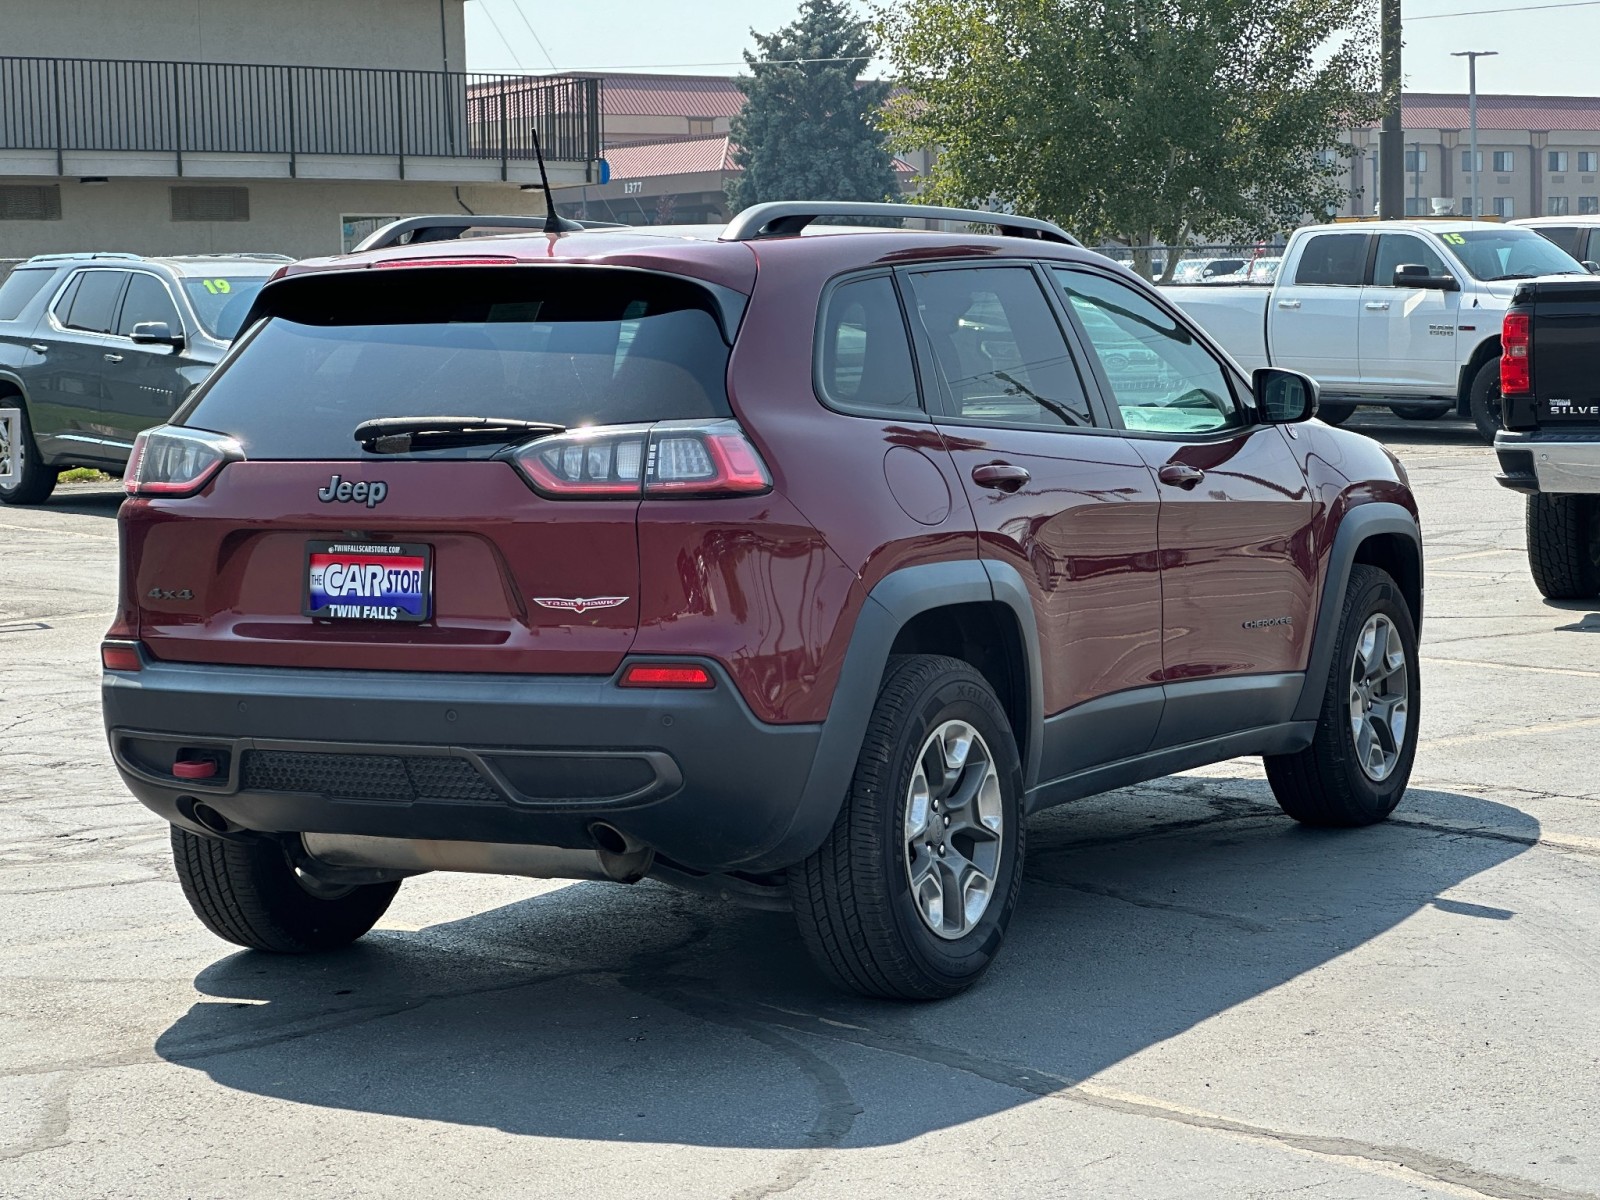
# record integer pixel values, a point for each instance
(1557, 463)
(517, 759)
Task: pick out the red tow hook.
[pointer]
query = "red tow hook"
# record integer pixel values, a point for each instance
(196, 768)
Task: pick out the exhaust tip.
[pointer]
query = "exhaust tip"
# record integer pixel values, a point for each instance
(610, 839)
(204, 814)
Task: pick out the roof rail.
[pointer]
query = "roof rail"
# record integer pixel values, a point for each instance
(786, 218)
(238, 256)
(86, 254)
(449, 227)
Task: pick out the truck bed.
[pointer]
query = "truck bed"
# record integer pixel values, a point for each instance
(1234, 314)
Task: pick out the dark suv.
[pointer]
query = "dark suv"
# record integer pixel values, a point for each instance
(96, 347)
(796, 569)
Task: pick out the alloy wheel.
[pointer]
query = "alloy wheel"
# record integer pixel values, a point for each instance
(1379, 694)
(953, 827)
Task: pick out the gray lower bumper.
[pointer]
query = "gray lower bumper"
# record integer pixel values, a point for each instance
(532, 760)
(1555, 463)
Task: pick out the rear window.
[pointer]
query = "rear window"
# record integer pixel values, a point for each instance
(21, 286)
(585, 346)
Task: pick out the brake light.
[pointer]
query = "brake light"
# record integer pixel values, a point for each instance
(121, 656)
(1516, 357)
(170, 460)
(667, 675)
(666, 459)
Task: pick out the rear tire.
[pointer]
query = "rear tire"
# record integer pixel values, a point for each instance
(1484, 400)
(1564, 546)
(1334, 413)
(249, 894)
(35, 481)
(1344, 779)
(909, 898)
(1412, 412)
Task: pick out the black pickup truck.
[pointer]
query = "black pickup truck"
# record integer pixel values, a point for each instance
(1550, 444)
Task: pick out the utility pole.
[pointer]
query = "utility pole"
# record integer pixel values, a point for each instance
(1416, 176)
(1391, 149)
(1472, 57)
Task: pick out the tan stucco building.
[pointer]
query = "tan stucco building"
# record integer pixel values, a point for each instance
(291, 126)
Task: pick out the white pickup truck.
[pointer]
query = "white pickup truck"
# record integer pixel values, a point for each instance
(1403, 314)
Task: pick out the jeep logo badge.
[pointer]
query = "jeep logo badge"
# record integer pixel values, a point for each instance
(339, 489)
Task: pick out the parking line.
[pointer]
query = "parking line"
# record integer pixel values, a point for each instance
(1472, 662)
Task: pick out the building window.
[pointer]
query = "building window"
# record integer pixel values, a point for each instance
(1505, 160)
(1589, 206)
(702, 126)
(1416, 206)
(210, 203)
(30, 202)
(1560, 206)
(1557, 160)
(1416, 160)
(1588, 160)
(1466, 160)
(1504, 208)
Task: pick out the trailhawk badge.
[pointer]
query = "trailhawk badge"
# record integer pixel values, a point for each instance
(579, 604)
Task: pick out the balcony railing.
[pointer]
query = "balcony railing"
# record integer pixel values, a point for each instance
(71, 105)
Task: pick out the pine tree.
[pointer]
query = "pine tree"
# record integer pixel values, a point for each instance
(809, 130)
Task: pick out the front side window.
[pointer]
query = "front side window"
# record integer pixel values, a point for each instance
(865, 358)
(1397, 249)
(999, 348)
(94, 303)
(1162, 378)
(1505, 160)
(147, 300)
(1333, 258)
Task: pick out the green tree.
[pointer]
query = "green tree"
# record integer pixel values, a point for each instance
(809, 129)
(1135, 121)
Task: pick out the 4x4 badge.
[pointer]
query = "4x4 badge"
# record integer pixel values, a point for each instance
(579, 604)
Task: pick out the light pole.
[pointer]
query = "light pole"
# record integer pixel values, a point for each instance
(1472, 57)
(1416, 177)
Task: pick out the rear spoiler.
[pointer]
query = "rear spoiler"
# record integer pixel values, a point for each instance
(412, 231)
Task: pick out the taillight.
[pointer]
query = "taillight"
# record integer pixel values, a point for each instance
(666, 459)
(666, 675)
(1516, 359)
(121, 656)
(170, 460)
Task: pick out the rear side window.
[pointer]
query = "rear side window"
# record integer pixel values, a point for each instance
(864, 355)
(20, 287)
(575, 346)
(1568, 237)
(999, 347)
(1333, 258)
(94, 305)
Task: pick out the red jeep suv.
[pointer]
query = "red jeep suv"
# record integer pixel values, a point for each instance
(796, 569)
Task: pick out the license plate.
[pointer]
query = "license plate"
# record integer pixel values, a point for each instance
(351, 581)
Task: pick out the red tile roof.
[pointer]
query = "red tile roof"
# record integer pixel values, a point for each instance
(687, 156)
(1434, 110)
(669, 96)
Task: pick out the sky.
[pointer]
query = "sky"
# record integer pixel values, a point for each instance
(1542, 51)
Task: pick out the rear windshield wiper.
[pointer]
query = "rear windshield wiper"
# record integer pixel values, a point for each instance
(399, 435)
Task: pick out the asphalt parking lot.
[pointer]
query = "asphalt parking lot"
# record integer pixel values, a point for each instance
(1198, 998)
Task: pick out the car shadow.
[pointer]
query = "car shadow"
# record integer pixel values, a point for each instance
(90, 500)
(1448, 430)
(641, 1014)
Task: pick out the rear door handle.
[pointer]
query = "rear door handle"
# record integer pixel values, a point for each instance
(1288, 304)
(39, 348)
(112, 357)
(1180, 475)
(1004, 476)
(1378, 306)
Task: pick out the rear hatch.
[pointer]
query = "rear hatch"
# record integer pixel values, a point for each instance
(430, 545)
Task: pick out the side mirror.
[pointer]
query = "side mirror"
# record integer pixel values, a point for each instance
(156, 333)
(1284, 397)
(1415, 275)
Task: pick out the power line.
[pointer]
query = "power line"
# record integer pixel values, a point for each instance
(1483, 12)
(517, 4)
(729, 63)
(500, 33)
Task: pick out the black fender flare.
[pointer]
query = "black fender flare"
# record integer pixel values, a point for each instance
(894, 601)
(1361, 522)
